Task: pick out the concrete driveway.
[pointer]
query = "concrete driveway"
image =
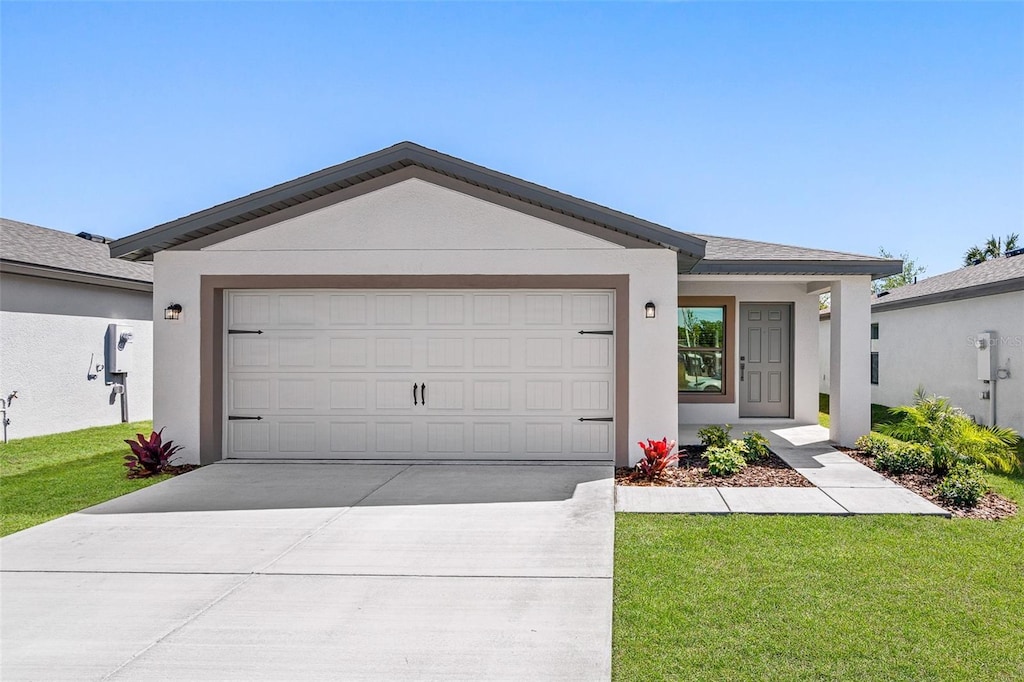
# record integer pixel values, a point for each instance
(266, 571)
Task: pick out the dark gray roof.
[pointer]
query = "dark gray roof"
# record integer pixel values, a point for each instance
(720, 254)
(142, 245)
(728, 255)
(997, 276)
(25, 248)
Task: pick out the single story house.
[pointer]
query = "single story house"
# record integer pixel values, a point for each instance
(411, 305)
(959, 334)
(59, 295)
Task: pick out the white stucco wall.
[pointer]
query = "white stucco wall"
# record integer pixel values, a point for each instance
(52, 335)
(933, 346)
(417, 228)
(763, 289)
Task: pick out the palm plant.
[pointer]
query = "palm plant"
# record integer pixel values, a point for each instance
(952, 436)
(995, 247)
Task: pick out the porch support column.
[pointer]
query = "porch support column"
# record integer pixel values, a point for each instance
(850, 360)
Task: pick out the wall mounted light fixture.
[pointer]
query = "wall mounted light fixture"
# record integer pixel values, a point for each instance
(172, 312)
(649, 310)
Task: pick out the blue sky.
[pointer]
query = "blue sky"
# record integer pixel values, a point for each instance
(846, 126)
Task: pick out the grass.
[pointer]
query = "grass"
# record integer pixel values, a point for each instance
(879, 413)
(816, 598)
(46, 477)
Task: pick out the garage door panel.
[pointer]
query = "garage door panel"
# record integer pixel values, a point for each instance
(394, 437)
(446, 309)
(591, 438)
(498, 374)
(446, 352)
(346, 310)
(592, 352)
(445, 395)
(348, 352)
(592, 308)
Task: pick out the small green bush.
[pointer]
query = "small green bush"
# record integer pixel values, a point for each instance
(876, 444)
(756, 446)
(725, 461)
(952, 436)
(963, 486)
(904, 458)
(715, 436)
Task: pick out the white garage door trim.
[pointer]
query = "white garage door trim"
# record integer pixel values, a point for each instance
(507, 374)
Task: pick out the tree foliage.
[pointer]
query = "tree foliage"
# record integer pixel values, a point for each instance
(994, 247)
(911, 270)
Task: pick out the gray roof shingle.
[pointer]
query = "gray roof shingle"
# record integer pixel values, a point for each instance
(995, 276)
(27, 244)
(727, 255)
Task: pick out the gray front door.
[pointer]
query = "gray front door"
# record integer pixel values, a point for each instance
(766, 375)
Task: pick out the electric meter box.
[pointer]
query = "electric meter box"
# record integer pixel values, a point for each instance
(986, 355)
(120, 348)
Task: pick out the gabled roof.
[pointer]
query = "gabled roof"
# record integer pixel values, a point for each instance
(39, 251)
(720, 254)
(728, 255)
(996, 276)
(143, 245)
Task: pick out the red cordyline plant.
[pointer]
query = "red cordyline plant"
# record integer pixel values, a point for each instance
(149, 455)
(658, 456)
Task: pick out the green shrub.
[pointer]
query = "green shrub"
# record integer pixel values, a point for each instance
(715, 436)
(904, 458)
(963, 486)
(756, 446)
(725, 461)
(952, 436)
(876, 444)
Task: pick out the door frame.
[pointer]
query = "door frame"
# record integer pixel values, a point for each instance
(213, 351)
(792, 355)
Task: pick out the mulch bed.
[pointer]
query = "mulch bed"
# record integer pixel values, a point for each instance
(992, 507)
(693, 472)
(173, 470)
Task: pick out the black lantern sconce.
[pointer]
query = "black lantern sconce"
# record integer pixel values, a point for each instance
(650, 311)
(172, 312)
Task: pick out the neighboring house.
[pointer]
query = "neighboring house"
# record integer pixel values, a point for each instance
(411, 305)
(58, 295)
(925, 334)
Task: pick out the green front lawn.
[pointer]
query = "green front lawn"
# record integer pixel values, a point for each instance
(49, 476)
(879, 413)
(816, 598)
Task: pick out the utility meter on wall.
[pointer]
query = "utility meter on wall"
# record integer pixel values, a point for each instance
(986, 355)
(120, 342)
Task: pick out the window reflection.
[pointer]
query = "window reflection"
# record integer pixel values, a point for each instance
(701, 349)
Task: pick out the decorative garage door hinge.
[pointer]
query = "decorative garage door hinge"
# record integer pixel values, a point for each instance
(596, 419)
(606, 332)
(233, 418)
(245, 331)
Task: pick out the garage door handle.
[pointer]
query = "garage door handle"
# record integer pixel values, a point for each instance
(233, 418)
(414, 394)
(595, 419)
(423, 393)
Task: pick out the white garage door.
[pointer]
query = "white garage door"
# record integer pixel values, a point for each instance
(420, 374)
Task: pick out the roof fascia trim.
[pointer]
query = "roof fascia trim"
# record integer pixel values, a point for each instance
(874, 268)
(407, 153)
(416, 172)
(1005, 286)
(46, 272)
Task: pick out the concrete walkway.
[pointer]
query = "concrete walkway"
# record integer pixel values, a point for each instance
(844, 486)
(256, 571)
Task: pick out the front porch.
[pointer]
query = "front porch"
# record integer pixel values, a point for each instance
(748, 352)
